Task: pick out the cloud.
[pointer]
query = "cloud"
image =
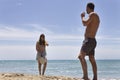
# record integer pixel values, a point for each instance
(39, 28)
(17, 52)
(62, 52)
(55, 52)
(13, 52)
(32, 31)
(62, 46)
(8, 32)
(108, 52)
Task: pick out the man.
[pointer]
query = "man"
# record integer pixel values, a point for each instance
(89, 44)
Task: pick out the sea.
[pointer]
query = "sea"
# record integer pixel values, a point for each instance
(106, 68)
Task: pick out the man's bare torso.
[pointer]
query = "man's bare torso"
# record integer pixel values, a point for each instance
(92, 27)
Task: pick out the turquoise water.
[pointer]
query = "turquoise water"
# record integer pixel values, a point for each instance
(106, 68)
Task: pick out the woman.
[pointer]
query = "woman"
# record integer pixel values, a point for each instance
(41, 53)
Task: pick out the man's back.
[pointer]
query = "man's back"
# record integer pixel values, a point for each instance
(92, 27)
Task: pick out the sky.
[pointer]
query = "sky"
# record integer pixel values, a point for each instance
(22, 22)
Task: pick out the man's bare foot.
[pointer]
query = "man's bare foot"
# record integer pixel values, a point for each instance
(85, 78)
(94, 78)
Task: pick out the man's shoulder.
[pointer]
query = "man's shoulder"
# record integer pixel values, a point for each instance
(94, 15)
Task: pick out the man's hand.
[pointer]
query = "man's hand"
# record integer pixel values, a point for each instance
(82, 14)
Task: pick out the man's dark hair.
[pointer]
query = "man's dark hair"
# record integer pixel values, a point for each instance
(91, 5)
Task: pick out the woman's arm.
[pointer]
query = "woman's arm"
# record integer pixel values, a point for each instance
(37, 46)
(46, 43)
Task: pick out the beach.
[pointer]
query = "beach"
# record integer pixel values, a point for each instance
(57, 70)
(21, 76)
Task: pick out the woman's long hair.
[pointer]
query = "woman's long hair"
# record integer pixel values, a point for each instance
(42, 42)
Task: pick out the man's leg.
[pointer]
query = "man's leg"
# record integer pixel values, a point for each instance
(84, 65)
(94, 66)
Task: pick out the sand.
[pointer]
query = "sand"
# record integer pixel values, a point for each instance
(19, 76)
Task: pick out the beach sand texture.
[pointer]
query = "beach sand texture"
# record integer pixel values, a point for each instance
(21, 76)
(18, 76)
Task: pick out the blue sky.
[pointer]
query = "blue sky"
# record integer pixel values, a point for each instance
(22, 21)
